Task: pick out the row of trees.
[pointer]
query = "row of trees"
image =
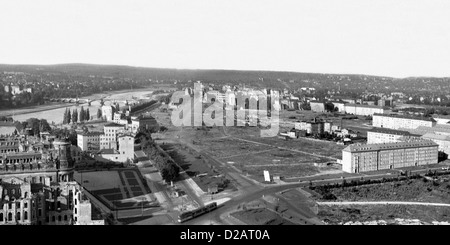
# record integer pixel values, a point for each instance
(37, 125)
(76, 117)
(163, 162)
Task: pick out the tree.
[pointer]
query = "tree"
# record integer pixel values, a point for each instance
(329, 106)
(88, 116)
(75, 116)
(99, 113)
(65, 116)
(82, 115)
(44, 126)
(68, 116)
(170, 171)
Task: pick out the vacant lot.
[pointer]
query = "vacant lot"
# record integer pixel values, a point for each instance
(414, 190)
(319, 147)
(260, 216)
(336, 215)
(226, 147)
(277, 162)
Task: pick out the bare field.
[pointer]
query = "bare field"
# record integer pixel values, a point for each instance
(319, 147)
(336, 215)
(260, 216)
(413, 190)
(227, 148)
(277, 162)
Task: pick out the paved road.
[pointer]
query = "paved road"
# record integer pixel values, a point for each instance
(268, 190)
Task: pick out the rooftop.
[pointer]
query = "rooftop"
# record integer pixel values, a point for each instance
(20, 154)
(391, 131)
(7, 130)
(92, 133)
(365, 106)
(108, 151)
(421, 130)
(114, 125)
(433, 136)
(406, 117)
(412, 143)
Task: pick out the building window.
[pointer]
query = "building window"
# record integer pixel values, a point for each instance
(75, 211)
(10, 217)
(1, 216)
(18, 215)
(53, 218)
(25, 205)
(65, 217)
(40, 213)
(59, 218)
(25, 215)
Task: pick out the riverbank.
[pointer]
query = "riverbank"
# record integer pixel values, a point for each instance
(58, 105)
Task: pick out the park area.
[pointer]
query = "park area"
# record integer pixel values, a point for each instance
(118, 189)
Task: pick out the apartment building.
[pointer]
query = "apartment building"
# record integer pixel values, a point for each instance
(401, 121)
(89, 141)
(384, 135)
(410, 151)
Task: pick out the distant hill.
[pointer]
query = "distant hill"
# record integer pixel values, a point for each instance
(279, 79)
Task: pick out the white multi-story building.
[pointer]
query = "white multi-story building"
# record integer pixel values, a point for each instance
(108, 112)
(89, 141)
(401, 121)
(442, 140)
(339, 105)
(384, 135)
(410, 151)
(317, 106)
(362, 110)
(125, 152)
(108, 140)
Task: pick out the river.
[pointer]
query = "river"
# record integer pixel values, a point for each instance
(55, 115)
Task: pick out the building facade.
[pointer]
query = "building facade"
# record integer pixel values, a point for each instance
(108, 140)
(317, 106)
(383, 135)
(89, 141)
(362, 110)
(401, 121)
(372, 157)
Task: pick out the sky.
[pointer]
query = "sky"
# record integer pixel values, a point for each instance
(398, 38)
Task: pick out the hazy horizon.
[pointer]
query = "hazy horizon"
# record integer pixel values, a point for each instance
(356, 37)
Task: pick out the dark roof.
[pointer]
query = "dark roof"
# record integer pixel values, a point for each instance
(391, 131)
(107, 151)
(391, 146)
(366, 106)
(91, 133)
(114, 125)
